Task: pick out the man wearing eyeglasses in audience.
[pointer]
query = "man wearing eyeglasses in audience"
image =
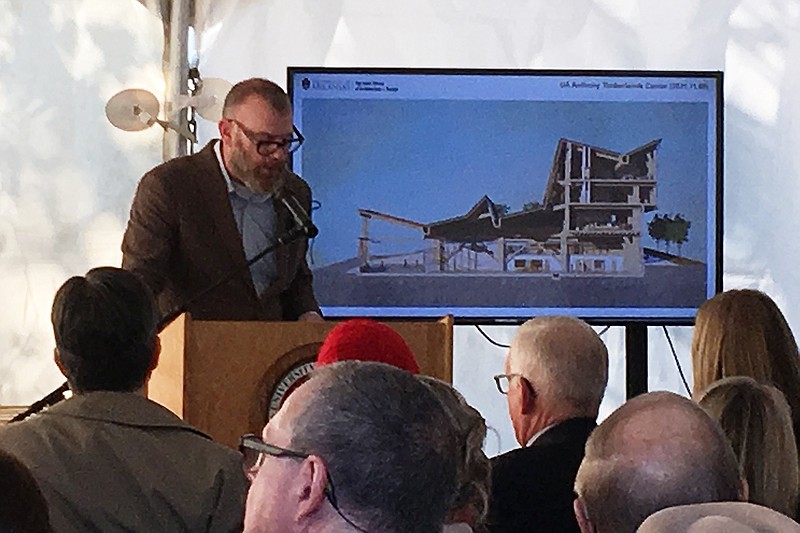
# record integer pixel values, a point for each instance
(555, 376)
(196, 219)
(360, 446)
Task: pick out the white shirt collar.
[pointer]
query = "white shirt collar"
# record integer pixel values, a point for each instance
(538, 434)
(218, 153)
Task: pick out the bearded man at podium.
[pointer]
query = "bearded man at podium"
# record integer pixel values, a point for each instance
(198, 219)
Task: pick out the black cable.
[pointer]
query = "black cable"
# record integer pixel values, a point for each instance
(315, 204)
(499, 345)
(677, 362)
(488, 338)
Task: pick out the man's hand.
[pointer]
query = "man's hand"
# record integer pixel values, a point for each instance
(311, 316)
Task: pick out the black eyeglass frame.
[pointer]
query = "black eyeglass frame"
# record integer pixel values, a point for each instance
(269, 147)
(499, 378)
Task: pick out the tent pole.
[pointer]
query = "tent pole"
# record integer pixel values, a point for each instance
(176, 74)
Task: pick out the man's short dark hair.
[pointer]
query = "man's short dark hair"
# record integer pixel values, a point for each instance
(388, 444)
(268, 91)
(105, 329)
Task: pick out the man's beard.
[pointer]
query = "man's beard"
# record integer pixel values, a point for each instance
(259, 179)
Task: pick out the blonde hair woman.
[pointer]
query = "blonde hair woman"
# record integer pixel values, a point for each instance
(757, 421)
(743, 333)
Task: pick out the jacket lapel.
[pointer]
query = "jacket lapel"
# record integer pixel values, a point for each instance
(214, 194)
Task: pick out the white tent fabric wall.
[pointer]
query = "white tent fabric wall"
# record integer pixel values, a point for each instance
(68, 177)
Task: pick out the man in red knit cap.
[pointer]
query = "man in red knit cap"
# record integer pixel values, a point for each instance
(362, 339)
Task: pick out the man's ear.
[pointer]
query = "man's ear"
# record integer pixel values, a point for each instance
(156, 355)
(582, 516)
(313, 480)
(59, 364)
(224, 127)
(528, 396)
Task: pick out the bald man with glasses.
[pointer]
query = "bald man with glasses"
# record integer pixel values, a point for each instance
(198, 219)
(555, 376)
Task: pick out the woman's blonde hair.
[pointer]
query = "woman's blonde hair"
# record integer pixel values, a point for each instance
(743, 333)
(757, 421)
(474, 469)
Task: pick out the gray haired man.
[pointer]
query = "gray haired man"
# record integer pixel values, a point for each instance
(555, 376)
(358, 447)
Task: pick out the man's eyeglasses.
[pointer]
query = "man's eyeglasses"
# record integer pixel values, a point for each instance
(254, 450)
(503, 381)
(269, 146)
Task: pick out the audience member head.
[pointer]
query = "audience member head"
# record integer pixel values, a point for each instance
(362, 339)
(373, 450)
(473, 467)
(743, 333)
(257, 134)
(556, 369)
(656, 451)
(22, 505)
(757, 421)
(719, 517)
(105, 330)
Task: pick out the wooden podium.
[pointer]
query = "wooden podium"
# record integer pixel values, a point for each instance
(222, 377)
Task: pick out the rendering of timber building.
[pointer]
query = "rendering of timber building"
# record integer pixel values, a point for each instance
(590, 222)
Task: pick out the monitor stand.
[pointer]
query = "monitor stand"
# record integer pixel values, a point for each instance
(635, 359)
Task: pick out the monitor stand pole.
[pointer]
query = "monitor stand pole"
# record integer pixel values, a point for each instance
(635, 359)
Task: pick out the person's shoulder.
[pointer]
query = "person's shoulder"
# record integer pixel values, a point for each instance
(19, 437)
(548, 455)
(511, 460)
(184, 168)
(297, 185)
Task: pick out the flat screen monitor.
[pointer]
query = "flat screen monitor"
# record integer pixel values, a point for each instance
(501, 195)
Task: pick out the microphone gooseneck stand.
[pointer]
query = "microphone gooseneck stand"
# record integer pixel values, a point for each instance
(303, 227)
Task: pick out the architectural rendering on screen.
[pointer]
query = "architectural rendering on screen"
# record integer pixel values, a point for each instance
(595, 230)
(486, 203)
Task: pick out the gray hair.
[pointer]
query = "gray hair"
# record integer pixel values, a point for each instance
(474, 469)
(388, 444)
(656, 451)
(565, 361)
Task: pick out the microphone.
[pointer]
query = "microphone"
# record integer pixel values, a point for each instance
(49, 400)
(300, 216)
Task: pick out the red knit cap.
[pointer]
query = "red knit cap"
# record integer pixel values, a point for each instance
(362, 339)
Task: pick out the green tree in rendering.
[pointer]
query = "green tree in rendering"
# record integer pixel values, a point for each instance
(670, 229)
